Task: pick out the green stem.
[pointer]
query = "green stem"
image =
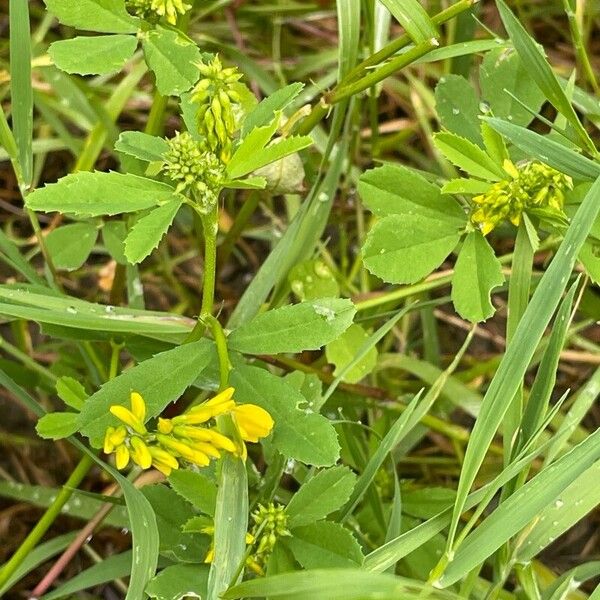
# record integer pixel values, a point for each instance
(210, 228)
(156, 117)
(222, 353)
(47, 519)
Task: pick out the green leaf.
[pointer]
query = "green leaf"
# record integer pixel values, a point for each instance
(540, 71)
(173, 60)
(255, 151)
(547, 150)
(70, 245)
(95, 194)
(469, 157)
(341, 352)
(160, 380)
(589, 255)
(324, 545)
(313, 279)
(458, 107)
(304, 436)
(336, 584)
(265, 111)
(413, 17)
(196, 488)
(93, 55)
(71, 392)
(505, 84)
(113, 236)
(476, 273)
(149, 148)
(147, 232)
(404, 249)
(320, 495)
(58, 425)
(104, 16)
(398, 190)
(177, 582)
(294, 328)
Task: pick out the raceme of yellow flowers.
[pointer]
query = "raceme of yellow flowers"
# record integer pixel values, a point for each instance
(190, 437)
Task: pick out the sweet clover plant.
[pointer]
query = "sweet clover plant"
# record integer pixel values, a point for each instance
(298, 323)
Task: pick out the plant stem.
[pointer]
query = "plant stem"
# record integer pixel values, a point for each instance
(47, 519)
(222, 353)
(210, 227)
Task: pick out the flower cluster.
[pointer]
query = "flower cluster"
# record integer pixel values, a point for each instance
(148, 9)
(195, 168)
(534, 187)
(219, 106)
(187, 437)
(270, 524)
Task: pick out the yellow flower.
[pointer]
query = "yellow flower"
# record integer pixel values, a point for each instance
(113, 438)
(135, 417)
(210, 409)
(140, 453)
(122, 456)
(218, 440)
(163, 460)
(253, 422)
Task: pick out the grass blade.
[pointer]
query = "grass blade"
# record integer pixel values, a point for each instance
(552, 153)
(20, 85)
(540, 70)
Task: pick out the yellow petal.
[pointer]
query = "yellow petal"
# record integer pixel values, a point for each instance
(109, 447)
(125, 415)
(253, 421)
(138, 406)
(140, 453)
(210, 555)
(220, 398)
(207, 449)
(122, 457)
(164, 457)
(199, 458)
(162, 467)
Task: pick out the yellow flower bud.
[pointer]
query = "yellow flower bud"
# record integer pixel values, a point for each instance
(163, 457)
(165, 425)
(114, 437)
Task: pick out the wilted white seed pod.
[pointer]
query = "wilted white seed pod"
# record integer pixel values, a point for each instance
(285, 176)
